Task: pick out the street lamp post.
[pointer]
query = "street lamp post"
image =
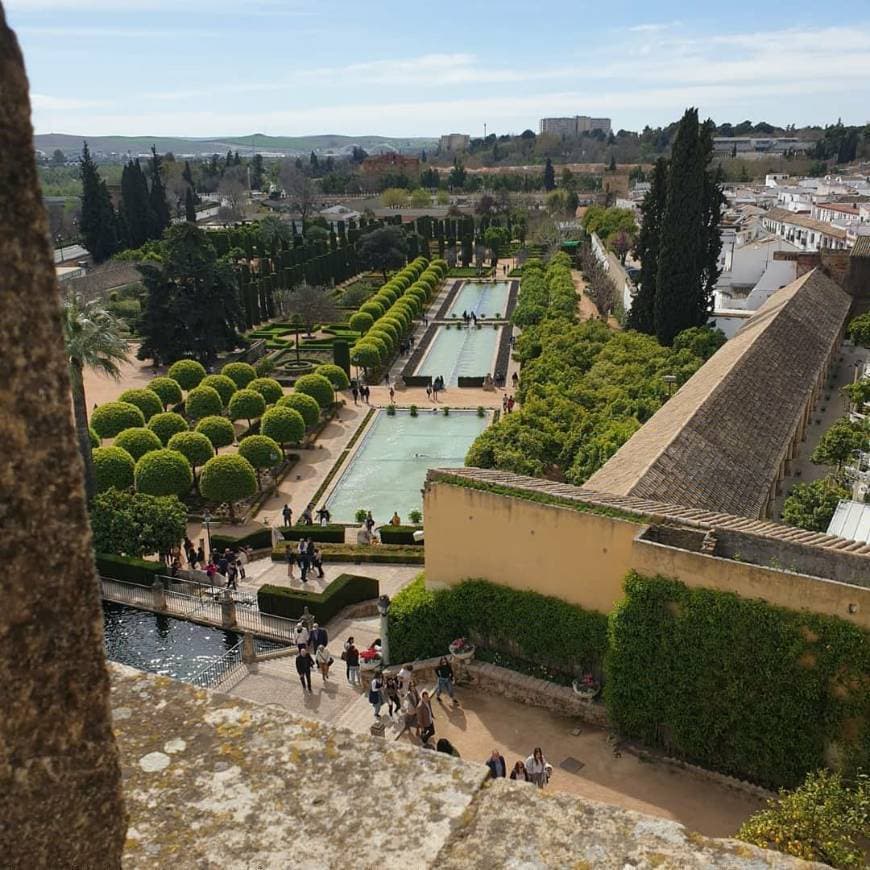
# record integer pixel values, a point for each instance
(59, 240)
(384, 610)
(206, 518)
(670, 380)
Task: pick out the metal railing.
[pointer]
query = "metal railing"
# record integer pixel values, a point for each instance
(213, 674)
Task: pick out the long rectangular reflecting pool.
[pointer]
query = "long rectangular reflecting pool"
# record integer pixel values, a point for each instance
(389, 468)
(461, 352)
(483, 299)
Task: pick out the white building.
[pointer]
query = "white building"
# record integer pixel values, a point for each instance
(804, 231)
(454, 142)
(571, 128)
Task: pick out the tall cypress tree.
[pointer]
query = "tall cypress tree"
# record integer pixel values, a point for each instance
(98, 223)
(187, 175)
(157, 198)
(711, 218)
(257, 173)
(189, 206)
(549, 176)
(136, 216)
(642, 314)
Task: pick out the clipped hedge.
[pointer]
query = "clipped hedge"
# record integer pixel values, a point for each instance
(334, 374)
(737, 684)
(536, 628)
(128, 569)
(331, 534)
(259, 540)
(399, 535)
(344, 590)
(218, 430)
(164, 472)
(268, 388)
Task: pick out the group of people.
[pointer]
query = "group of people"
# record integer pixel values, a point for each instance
(306, 518)
(224, 567)
(469, 318)
(307, 555)
(313, 652)
(434, 387)
(360, 391)
(534, 769)
(507, 403)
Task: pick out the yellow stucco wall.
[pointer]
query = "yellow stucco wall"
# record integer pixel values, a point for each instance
(583, 557)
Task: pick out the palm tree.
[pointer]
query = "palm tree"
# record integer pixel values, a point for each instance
(93, 338)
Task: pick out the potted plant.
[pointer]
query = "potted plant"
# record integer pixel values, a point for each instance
(370, 659)
(587, 687)
(461, 649)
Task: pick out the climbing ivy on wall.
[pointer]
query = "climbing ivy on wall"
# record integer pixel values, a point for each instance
(738, 685)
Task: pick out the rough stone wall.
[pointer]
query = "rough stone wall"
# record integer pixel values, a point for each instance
(60, 798)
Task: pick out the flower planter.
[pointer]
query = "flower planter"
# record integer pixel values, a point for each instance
(463, 655)
(584, 691)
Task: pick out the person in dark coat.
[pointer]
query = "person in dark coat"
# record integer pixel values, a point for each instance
(303, 668)
(318, 637)
(496, 765)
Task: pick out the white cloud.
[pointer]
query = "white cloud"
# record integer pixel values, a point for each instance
(44, 102)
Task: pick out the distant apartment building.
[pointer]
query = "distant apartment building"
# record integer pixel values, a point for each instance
(808, 233)
(571, 128)
(454, 142)
(381, 164)
(746, 146)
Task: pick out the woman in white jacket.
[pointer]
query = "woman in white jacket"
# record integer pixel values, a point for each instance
(537, 768)
(324, 660)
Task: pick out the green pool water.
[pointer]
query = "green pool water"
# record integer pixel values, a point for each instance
(389, 468)
(482, 299)
(461, 352)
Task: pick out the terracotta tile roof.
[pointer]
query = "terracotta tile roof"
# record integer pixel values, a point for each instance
(717, 444)
(783, 215)
(861, 248)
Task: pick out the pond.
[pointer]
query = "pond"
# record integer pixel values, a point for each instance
(461, 352)
(482, 299)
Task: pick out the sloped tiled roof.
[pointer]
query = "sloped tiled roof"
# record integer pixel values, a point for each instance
(783, 215)
(861, 248)
(717, 444)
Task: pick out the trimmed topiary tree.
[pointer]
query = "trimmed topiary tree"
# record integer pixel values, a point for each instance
(218, 430)
(305, 405)
(247, 405)
(240, 373)
(366, 355)
(164, 472)
(203, 402)
(113, 418)
(194, 446)
(138, 441)
(268, 388)
(361, 322)
(146, 401)
(318, 387)
(224, 385)
(113, 468)
(283, 425)
(226, 480)
(167, 390)
(165, 425)
(262, 452)
(334, 374)
(95, 439)
(187, 373)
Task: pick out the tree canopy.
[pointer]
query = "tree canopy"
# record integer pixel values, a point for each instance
(384, 248)
(136, 524)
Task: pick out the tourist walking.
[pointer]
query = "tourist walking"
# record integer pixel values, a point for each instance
(406, 677)
(351, 657)
(444, 673)
(324, 660)
(429, 392)
(301, 637)
(291, 561)
(347, 645)
(287, 513)
(510, 404)
(425, 718)
(394, 702)
(497, 765)
(354, 392)
(242, 560)
(409, 714)
(317, 637)
(317, 561)
(392, 394)
(302, 556)
(395, 519)
(232, 572)
(370, 522)
(537, 768)
(200, 556)
(303, 668)
(376, 698)
(519, 772)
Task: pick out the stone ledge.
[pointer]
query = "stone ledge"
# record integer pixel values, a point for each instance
(212, 782)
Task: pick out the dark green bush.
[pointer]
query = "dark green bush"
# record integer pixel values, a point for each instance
(318, 387)
(283, 425)
(147, 401)
(334, 374)
(164, 472)
(195, 446)
(113, 468)
(736, 684)
(112, 418)
(246, 405)
(137, 441)
(305, 405)
(241, 373)
(167, 424)
(187, 373)
(289, 603)
(128, 569)
(218, 430)
(225, 387)
(259, 540)
(324, 534)
(399, 534)
(268, 388)
(203, 401)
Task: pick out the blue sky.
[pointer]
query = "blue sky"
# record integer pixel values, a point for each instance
(293, 67)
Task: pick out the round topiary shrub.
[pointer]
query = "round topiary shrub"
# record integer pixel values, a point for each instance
(165, 425)
(401, 314)
(261, 451)
(382, 342)
(247, 405)
(218, 430)
(225, 386)
(366, 355)
(334, 374)
(193, 446)
(146, 401)
(167, 390)
(113, 418)
(361, 322)
(187, 373)
(318, 387)
(138, 441)
(203, 402)
(95, 439)
(268, 388)
(241, 373)
(113, 468)
(375, 309)
(305, 405)
(164, 472)
(226, 480)
(283, 425)
(382, 327)
(395, 322)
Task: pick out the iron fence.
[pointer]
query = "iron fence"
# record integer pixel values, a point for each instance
(213, 674)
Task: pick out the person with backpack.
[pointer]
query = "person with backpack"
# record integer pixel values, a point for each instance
(376, 698)
(351, 657)
(303, 668)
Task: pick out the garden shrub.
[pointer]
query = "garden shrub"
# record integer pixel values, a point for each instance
(329, 534)
(137, 441)
(268, 388)
(373, 308)
(167, 390)
(344, 590)
(164, 472)
(128, 569)
(203, 402)
(318, 387)
(305, 405)
(335, 375)
(399, 535)
(113, 468)
(382, 342)
(225, 387)
(226, 480)
(532, 627)
(133, 523)
(735, 684)
(365, 354)
(361, 322)
(167, 424)
(93, 437)
(246, 405)
(113, 418)
(218, 430)
(240, 373)
(194, 446)
(146, 401)
(283, 425)
(261, 451)
(259, 540)
(187, 373)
